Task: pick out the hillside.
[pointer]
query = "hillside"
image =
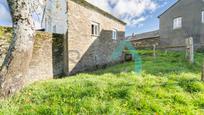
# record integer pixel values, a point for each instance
(167, 85)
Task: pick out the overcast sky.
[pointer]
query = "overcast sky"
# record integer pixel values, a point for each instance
(140, 15)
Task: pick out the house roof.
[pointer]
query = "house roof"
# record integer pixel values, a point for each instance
(169, 8)
(85, 3)
(147, 35)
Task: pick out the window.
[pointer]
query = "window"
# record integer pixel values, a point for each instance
(177, 23)
(202, 16)
(114, 34)
(95, 29)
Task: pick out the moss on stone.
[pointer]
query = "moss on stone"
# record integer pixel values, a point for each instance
(56, 39)
(40, 37)
(6, 33)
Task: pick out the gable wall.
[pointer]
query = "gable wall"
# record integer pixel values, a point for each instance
(85, 50)
(190, 10)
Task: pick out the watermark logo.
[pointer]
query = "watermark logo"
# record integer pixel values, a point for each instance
(125, 47)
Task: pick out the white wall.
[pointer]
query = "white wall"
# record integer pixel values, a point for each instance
(55, 19)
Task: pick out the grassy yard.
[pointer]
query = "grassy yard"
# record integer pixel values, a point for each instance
(167, 85)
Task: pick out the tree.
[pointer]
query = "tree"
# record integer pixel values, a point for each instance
(16, 63)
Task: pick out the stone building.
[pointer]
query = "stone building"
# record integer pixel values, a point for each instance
(145, 40)
(91, 34)
(88, 44)
(182, 20)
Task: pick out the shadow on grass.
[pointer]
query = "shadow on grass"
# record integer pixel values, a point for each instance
(157, 67)
(164, 65)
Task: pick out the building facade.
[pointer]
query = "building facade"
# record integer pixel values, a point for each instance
(92, 37)
(91, 34)
(145, 40)
(55, 16)
(182, 20)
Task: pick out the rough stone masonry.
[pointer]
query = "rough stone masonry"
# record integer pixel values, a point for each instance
(47, 58)
(78, 50)
(95, 51)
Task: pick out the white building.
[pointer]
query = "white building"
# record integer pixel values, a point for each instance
(55, 16)
(50, 16)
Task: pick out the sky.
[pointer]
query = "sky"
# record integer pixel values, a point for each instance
(5, 18)
(140, 15)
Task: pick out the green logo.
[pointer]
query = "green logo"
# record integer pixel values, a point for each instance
(127, 47)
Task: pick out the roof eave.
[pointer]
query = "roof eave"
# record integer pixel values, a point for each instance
(101, 11)
(153, 37)
(169, 8)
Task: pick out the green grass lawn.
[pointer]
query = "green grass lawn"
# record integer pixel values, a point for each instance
(167, 85)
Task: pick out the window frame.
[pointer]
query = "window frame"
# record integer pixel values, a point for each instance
(177, 23)
(95, 29)
(115, 34)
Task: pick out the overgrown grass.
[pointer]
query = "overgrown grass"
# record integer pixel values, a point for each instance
(167, 85)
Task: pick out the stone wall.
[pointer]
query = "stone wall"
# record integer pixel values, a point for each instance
(87, 52)
(146, 42)
(190, 11)
(47, 58)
